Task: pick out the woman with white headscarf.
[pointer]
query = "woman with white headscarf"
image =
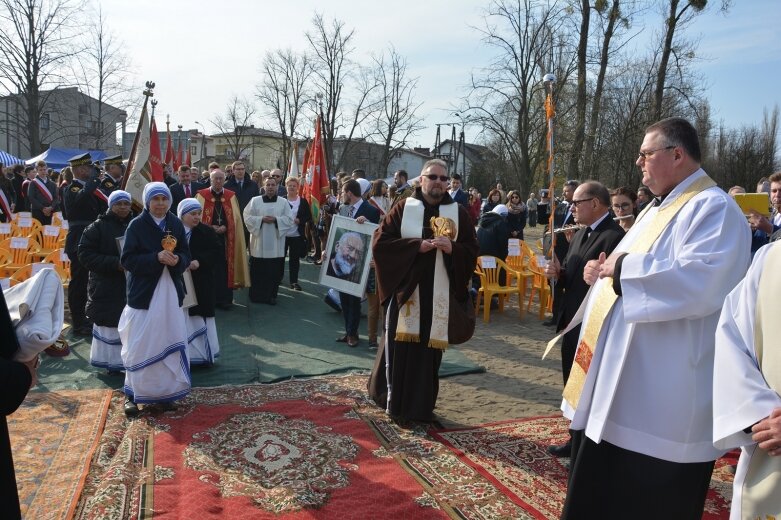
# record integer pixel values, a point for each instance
(99, 253)
(152, 326)
(203, 346)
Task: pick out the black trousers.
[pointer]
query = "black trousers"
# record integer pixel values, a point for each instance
(294, 247)
(608, 482)
(265, 274)
(351, 310)
(77, 292)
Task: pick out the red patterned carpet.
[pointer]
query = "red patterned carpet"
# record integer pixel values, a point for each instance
(54, 436)
(300, 449)
(512, 455)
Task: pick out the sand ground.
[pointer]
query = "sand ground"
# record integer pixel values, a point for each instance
(517, 382)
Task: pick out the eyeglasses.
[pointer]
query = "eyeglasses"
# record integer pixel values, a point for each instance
(577, 202)
(625, 205)
(649, 153)
(434, 177)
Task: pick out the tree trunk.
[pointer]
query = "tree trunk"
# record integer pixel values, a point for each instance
(580, 123)
(597, 102)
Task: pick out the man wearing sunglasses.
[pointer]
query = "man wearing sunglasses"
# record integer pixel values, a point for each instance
(640, 393)
(415, 268)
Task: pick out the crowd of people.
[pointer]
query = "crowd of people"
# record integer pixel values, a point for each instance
(668, 352)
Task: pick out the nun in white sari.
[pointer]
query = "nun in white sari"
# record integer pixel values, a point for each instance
(152, 326)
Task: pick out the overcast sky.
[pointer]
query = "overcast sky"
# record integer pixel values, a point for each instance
(200, 53)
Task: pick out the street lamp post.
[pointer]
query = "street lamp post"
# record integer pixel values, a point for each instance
(203, 142)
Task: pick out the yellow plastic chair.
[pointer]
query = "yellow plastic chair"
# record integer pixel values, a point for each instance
(520, 273)
(6, 230)
(540, 287)
(61, 264)
(5, 259)
(20, 256)
(34, 231)
(490, 285)
(49, 241)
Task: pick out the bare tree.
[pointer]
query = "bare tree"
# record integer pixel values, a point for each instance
(104, 73)
(507, 96)
(679, 14)
(332, 45)
(396, 120)
(36, 41)
(235, 125)
(581, 99)
(284, 92)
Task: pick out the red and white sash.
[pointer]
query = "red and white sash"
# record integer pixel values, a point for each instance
(5, 206)
(43, 189)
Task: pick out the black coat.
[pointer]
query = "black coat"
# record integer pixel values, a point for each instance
(99, 253)
(207, 249)
(603, 239)
(15, 381)
(248, 190)
(304, 215)
(492, 235)
(139, 257)
(516, 222)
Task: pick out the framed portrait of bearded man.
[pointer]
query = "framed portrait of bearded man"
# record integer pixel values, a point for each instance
(348, 255)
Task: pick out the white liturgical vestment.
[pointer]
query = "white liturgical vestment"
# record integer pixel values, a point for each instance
(649, 387)
(267, 240)
(746, 380)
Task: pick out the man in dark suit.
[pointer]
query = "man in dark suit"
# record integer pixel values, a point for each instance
(601, 234)
(186, 188)
(43, 195)
(356, 208)
(244, 188)
(562, 217)
(456, 193)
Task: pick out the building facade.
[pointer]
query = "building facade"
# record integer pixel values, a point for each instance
(69, 119)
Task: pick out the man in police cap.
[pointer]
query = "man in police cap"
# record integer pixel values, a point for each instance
(114, 171)
(84, 201)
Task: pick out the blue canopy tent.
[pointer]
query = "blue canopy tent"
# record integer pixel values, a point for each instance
(57, 158)
(9, 160)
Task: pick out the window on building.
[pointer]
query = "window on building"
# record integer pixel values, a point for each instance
(45, 121)
(193, 150)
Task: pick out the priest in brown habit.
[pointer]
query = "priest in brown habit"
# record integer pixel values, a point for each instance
(422, 278)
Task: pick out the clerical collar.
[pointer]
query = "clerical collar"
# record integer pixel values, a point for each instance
(270, 198)
(217, 193)
(657, 201)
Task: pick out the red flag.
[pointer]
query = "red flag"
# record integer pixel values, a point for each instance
(169, 151)
(178, 160)
(189, 160)
(155, 162)
(318, 175)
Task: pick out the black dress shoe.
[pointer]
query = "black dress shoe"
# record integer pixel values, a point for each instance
(563, 450)
(549, 323)
(295, 287)
(343, 339)
(131, 408)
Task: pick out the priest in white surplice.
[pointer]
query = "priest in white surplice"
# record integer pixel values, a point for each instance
(746, 386)
(268, 219)
(640, 392)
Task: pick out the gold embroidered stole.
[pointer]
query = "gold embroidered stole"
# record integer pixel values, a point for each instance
(606, 297)
(761, 493)
(408, 328)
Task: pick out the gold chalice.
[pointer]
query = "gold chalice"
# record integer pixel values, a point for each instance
(443, 227)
